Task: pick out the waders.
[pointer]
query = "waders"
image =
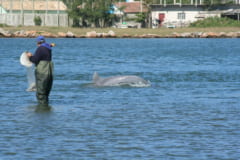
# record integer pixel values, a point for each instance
(44, 80)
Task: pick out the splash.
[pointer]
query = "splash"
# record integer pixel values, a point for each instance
(140, 84)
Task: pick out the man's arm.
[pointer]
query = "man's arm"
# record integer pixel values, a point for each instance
(34, 58)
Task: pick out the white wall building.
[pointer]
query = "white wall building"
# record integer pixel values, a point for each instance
(178, 15)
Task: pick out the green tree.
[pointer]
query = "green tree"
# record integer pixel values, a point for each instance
(142, 18)
(94, 13)
(37, 21)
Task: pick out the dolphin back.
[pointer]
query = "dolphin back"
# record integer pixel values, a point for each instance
(129, 80)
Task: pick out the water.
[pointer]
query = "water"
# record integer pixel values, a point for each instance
(191, 110)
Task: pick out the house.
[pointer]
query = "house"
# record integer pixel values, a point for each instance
(17, 12)
(128, 11)
(181, 15)
(172, 16)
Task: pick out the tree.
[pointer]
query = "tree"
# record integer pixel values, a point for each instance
(37, 21)
(94, 13)
(141, 18)
(145, 17)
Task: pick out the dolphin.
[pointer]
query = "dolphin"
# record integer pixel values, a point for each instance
(129, 80)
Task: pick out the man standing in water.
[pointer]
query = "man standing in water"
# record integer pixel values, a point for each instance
(42, 59)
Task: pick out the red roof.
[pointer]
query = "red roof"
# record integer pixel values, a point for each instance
(131, 7)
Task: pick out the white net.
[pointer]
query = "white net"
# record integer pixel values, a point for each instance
(31, 79)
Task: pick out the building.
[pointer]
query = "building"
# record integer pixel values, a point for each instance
(22, 12)
(172, 16)
(128, 11)
(181, 15)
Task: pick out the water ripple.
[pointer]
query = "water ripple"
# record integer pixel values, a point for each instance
(191, 110)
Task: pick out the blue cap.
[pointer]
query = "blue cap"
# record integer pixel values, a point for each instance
(40, 39)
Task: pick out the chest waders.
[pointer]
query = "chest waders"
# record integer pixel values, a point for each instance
(44, 80)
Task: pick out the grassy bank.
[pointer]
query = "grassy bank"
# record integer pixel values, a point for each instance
(121, 32)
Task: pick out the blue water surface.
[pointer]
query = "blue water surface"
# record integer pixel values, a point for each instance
(191, 111)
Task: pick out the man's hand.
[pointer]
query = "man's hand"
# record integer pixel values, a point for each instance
(29, 54)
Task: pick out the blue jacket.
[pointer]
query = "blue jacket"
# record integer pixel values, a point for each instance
(42, 53)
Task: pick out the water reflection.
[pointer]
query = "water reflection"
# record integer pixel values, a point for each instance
(42, 108)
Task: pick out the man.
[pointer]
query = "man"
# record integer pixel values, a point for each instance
(42, 59)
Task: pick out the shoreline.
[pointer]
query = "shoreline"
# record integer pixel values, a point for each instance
(61, 32)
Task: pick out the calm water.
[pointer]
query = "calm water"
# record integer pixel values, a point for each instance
(191, 111)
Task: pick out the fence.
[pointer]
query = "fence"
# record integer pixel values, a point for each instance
(22, 12)
(27, 19)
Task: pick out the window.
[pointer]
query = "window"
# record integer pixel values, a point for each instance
(181, 15)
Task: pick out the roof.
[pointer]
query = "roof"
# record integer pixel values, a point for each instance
(131, 7)
(38, 5)
(231, 11)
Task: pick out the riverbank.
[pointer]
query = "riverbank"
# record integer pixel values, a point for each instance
(65, 32)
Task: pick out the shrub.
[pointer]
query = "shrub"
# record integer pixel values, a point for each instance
(216, 22)
(3, 25)
(37, 21)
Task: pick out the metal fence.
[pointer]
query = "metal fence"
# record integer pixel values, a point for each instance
(12, 12)
(14, 19)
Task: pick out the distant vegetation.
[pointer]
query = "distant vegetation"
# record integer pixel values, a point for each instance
(216, 22)
(91, 13)
(37, 21)
(3, 25)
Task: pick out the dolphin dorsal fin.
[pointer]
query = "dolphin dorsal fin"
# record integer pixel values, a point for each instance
(95, 77)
